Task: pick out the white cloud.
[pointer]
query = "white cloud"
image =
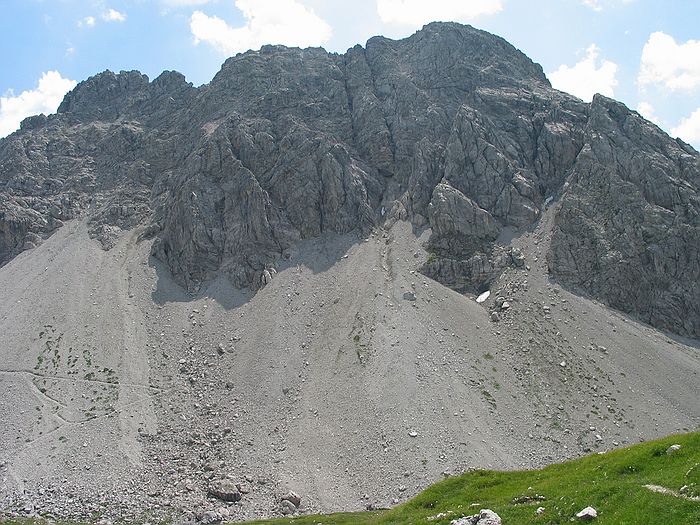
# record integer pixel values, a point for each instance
(672, 65)
(599, 5)
(44, 99)
(88, 21)
(689, 129)
(419, 12)
(267, 22)
(168, 5)
(112, 15)
(181, 3)
(593, 4)
(646, 110)
(587, 77)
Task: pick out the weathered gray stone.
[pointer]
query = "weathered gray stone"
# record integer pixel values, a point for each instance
(293, 498)
(287, 507)
(224, 490)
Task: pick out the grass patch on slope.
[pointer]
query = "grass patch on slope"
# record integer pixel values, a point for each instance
(612, 483)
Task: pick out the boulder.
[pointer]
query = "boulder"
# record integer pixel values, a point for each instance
(287, 507)
(293, 498)
(587, 514)
(224, 490)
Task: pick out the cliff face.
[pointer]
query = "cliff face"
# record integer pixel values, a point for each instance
(451, 128)
(628, 230)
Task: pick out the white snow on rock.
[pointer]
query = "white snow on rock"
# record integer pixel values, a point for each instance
(483, 296)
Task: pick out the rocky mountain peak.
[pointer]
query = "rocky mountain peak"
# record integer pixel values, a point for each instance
(171, 82)
(483, 54)
(108, 96)
(451, 128)
(102, 96)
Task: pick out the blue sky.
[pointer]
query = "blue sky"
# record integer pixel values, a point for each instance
(645, 53)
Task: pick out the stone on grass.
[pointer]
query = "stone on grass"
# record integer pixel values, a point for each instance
(672, 449)
(485, 517)
(587, 514)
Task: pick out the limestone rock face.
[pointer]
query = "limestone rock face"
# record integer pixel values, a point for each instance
(452, 129)
(459, 220)
(628, 231)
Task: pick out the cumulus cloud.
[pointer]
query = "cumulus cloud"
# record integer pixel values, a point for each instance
(689, 129)
(648, 111)
(44, 99)
(669, 64)
(285, 22)
(593, 4)
(587, 77)
(419, 12)
(599, 5)
(168, 5)
(112, 15)
(88, 21)
(181, 3)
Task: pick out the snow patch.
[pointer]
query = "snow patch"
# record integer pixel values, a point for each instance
(483, 296)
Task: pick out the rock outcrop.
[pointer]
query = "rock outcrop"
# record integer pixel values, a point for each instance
(628, 230)
(451, 128)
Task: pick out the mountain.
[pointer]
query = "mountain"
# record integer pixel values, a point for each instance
(270, 278)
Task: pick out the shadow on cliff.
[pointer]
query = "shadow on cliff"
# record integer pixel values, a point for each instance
(318, 254)
(219, 289)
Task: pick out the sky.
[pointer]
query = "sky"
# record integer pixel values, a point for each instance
(645, 53)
